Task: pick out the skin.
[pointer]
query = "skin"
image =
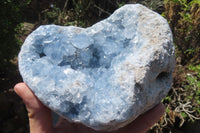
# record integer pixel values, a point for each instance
(40, 119)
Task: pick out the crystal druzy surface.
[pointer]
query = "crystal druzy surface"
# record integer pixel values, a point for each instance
(103, 76)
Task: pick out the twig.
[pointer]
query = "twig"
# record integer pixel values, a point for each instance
(173, 89)
(64, 8)
(165, 120)
(185, 108)
(102, 10)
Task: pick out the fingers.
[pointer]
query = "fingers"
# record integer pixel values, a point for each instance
(40, 120)
(145, 121)
(63, 125)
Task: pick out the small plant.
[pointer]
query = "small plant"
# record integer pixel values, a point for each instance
(155, 5)
(121, 4)
(196, 69)
(192, 100)
(184, 17)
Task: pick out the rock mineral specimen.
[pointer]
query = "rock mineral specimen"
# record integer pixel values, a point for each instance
(103, 76)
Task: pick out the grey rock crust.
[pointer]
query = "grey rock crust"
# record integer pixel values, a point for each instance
(103, 76)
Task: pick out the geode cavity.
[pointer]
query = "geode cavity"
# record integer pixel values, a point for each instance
(103, 76)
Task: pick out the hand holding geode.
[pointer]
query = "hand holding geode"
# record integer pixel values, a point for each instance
(103, 76)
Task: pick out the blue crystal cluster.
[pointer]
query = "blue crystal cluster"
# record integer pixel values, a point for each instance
(89, 75)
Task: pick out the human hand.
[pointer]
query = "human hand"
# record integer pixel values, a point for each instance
(40, 119)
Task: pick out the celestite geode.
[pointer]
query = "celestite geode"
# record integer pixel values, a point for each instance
(103, 76)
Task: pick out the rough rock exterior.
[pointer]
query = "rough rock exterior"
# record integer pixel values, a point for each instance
(103, 76)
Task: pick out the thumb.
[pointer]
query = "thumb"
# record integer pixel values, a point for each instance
(40, 120)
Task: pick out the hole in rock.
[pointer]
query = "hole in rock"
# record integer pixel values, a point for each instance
(163, 76)
(138, 88)
(74, 110)
(94, 61)
(41, 55)
(126, 42)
